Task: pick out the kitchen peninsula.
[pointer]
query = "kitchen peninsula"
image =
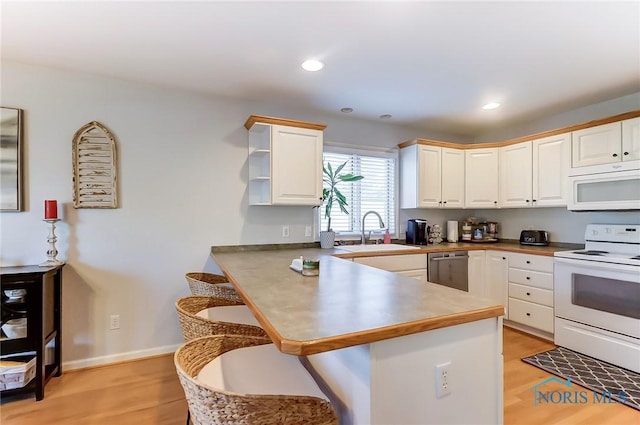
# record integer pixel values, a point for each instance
(376, 338)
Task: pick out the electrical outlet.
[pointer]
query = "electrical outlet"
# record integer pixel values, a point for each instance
(307, 231)
(114, 321)
(285, 231)
(443, 379)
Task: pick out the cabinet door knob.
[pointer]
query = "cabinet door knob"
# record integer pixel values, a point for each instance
(528, 278)
(626, 153)
(528, 262)
(534, 200)
(528, 314)
(615, 155)
(527, 201)
(504, 258)
(528, 294)
(444, 202)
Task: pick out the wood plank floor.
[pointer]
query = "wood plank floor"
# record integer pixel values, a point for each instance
(148, 392)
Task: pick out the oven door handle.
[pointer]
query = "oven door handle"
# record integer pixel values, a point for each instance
(596, 265)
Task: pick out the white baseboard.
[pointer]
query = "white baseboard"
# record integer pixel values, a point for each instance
(116, 358)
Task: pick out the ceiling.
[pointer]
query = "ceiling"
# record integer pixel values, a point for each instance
(430, 65)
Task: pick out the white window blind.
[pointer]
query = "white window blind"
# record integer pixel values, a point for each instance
(376, 192)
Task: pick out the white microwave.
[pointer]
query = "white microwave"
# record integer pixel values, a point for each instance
(613, 190)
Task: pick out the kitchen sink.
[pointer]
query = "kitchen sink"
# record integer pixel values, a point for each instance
(375, 248)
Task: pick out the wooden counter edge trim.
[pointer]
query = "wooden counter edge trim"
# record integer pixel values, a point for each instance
(548, 133)
(282, 121)
(305, 348)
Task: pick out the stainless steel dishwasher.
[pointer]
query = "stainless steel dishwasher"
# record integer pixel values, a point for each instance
(449, 269)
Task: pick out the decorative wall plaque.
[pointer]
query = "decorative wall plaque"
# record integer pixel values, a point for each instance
(94, 167)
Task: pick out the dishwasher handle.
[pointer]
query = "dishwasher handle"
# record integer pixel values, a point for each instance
(449, 258)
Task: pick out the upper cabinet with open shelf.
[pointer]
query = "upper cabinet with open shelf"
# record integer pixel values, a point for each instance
(285, 161)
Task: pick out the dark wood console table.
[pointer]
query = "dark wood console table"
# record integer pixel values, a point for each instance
(40, 305)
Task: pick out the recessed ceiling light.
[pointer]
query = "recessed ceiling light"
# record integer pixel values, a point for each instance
(312, 65)
(491, 105)
(385, 116)
(346, 110)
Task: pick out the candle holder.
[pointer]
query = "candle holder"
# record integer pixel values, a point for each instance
(52, 252)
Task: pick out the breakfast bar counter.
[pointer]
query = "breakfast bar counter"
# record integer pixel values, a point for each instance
(348, 304)
(381, 343)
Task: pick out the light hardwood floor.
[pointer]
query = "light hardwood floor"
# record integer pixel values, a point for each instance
(148, 392)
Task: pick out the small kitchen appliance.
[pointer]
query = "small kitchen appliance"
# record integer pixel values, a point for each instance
(417, 232)
(534, 237)
(597, 295)
(452, 231)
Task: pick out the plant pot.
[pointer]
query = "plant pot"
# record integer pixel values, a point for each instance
(327, 238)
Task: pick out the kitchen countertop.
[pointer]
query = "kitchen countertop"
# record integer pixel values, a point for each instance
(348, 304)
(468, 246)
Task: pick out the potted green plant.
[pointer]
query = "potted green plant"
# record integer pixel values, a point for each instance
(331, 195)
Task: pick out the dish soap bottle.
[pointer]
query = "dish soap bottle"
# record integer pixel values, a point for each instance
(387, 236)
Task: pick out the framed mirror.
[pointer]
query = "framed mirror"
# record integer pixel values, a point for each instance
(10, 159)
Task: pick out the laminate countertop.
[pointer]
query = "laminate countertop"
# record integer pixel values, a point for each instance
(347, 304)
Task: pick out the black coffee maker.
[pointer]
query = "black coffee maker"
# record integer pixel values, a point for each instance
(417, 232)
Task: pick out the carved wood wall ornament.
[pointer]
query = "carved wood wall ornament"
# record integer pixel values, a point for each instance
(94, 167)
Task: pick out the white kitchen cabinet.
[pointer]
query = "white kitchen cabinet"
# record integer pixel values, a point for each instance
(531, 291)
(534, 173)
(496, 272)
(607, 144)
(476, 273)
(285, 162)
(631, 139)
(482, 178)
(453, 171)
(431, 177)
(551, 163)
(597, 145)
(412, 265)
(516, 175)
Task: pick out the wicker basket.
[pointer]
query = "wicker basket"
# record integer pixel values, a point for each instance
(16, 371)
(210, 406)
(211, 284)
(193, 326)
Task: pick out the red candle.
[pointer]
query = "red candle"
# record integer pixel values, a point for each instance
(50, 209)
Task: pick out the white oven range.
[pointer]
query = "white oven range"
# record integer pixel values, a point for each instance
(597, 295)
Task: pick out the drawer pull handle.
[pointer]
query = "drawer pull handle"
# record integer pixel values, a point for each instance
(528, 262)
(528, 293)
(528, 278)
(528, 314)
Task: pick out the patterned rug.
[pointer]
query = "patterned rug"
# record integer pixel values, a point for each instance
(591, 373)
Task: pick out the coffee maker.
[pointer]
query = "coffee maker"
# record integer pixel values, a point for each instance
(417, 232)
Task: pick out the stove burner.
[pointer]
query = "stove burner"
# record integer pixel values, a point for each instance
(591, 252)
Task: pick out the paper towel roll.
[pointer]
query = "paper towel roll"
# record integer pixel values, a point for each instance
(452, 231)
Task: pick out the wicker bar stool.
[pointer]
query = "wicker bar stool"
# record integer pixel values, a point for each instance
(206, 315)
(211, 284)
(233, 379)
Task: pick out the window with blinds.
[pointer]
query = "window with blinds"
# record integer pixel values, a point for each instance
(376, 192)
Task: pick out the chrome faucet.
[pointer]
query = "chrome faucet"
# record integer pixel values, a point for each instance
(364, 240)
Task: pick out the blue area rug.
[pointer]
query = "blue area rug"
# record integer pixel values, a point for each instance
(590, 373)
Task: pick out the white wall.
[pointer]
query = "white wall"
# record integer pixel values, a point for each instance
(182, 180)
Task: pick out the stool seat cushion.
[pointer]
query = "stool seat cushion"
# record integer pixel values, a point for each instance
(259, 370)
(229, 313)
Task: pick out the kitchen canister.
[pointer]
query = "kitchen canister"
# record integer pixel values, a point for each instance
(452, 231)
